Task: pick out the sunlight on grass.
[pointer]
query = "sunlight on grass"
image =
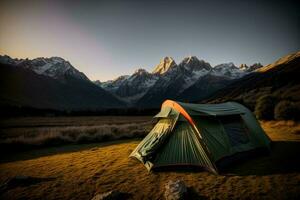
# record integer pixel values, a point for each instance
(80, 172)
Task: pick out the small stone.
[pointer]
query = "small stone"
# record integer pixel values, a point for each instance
(175, 190)
(111, 195)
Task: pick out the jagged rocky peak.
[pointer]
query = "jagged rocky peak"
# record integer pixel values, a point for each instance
(57, 59)
(165, 64)
(55, 67)
(250, 68)
(255, 66)
(227, 65)
(120, 78)
(140, 71)
(244, 67)
(194, 64)
(98, 82)
(113, 85)
(5, 59)
(228, 70)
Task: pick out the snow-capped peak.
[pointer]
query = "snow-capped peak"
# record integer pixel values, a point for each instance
(57, 59)
(54, 67)
(227, 65)
(194, 64)
(227, 69)
(165, 64)
(140, 71)
(243, 67)
(6, 60)
(250, 68)
(121, 78)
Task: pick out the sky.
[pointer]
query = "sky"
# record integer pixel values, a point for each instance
(106, 39)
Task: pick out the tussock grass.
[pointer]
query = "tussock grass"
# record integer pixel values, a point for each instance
(23, 138)
(97, 168)
(282, 130)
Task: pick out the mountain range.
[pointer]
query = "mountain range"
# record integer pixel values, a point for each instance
(190, 80)
(54, 83)
(50, 83)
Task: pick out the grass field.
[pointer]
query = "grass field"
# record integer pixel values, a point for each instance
(21, 134)
(80, 171)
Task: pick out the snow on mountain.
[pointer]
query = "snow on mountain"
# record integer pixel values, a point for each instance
(244, 67)
(186, 73)
(191, 79)
(192, 63)
(113, 85)
(7, 60)
(175, 80)
(228, 70)
(131, 87)
(169, 79)
(98, 83)
(54, 67)
(194, 69)
(142, 79)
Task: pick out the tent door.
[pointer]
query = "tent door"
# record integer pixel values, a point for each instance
(235, 129)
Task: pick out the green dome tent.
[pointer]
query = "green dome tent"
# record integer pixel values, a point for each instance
(199, 135)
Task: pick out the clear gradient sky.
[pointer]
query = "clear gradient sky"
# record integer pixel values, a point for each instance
(105, 39)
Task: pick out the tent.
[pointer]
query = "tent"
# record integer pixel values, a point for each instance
(200, 135)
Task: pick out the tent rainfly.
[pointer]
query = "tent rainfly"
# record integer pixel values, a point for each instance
(199, 135)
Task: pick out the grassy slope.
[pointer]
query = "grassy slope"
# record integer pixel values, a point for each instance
(80, 171)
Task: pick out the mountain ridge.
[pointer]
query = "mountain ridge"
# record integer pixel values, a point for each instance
(191, 79)
(24, 83)
(279, 79)
(55, 67)
(170, 80)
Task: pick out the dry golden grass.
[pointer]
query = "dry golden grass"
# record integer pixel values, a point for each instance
(14, 127)
(282, 130)
(80, 171)
(27, 133)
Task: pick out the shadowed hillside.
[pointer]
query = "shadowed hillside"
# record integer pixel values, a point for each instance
(280, 79)
(23, 87)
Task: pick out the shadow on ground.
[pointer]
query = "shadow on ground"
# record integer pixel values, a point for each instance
(192, 194)
(22, 181)
(284, 158)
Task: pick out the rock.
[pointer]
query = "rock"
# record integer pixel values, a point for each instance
(111, 195)
(175, 190)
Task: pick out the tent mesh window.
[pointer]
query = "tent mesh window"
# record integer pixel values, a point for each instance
(235, 129)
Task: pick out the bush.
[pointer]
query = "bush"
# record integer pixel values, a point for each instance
(264, 108)
(286, 110)
(245, 102)
(75, 135)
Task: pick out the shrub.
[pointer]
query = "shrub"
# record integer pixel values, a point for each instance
(74, 135)
(246, 102)
(286, 110)
(264, 108)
